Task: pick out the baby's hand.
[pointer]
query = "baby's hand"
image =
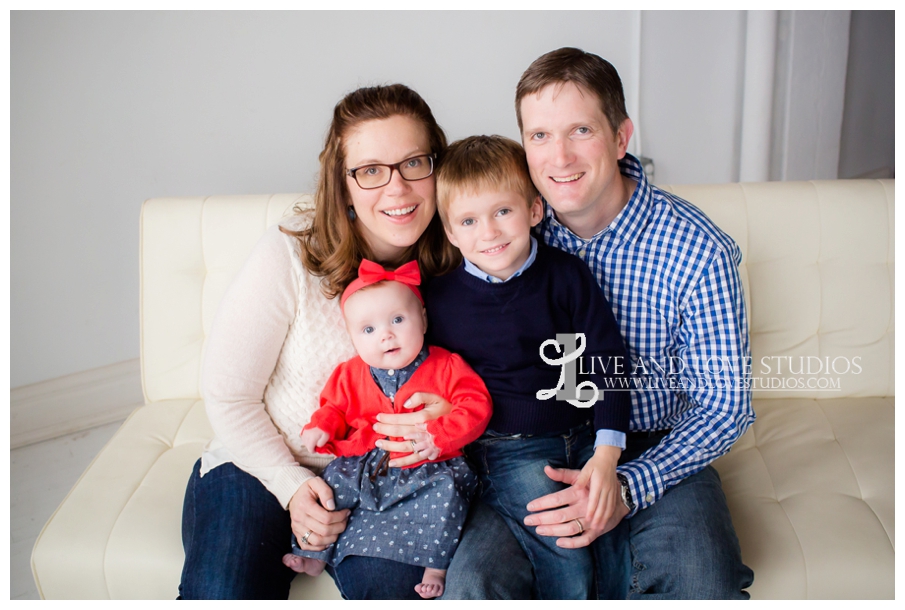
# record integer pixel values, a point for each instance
(599, 474)
(314, 437)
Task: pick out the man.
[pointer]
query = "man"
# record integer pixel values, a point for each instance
(672, 280)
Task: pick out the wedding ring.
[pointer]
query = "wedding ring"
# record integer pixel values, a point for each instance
(580, 529)
(304, 539)
(413, 447)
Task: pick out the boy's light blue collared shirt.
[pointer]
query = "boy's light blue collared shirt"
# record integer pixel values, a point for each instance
(604, 437)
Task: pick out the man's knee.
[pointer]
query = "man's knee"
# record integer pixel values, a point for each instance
(685, 547)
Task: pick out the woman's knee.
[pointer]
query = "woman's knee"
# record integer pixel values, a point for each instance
(359, 577)
(234, 535)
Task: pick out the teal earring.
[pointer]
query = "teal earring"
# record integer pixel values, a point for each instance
(351, 213)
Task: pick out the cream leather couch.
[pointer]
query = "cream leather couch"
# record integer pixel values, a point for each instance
(810, 486)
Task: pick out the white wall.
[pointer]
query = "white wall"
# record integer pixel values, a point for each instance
(109, 109)
(692, 70)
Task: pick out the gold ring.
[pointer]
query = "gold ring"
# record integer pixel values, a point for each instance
(580, 529)
(304, 539)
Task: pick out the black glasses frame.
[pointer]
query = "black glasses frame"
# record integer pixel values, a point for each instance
(395, 166)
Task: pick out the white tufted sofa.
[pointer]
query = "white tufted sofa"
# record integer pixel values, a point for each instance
(810, 486)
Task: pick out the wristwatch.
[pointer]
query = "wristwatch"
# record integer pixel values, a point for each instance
(626, 493)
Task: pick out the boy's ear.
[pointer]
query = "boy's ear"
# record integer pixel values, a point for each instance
(452, 238)
(536, 211)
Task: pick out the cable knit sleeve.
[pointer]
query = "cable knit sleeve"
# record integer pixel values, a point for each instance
(248, 334)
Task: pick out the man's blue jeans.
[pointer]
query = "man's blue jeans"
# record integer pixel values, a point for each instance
(511, 469)
(235, 534)
(682, 547)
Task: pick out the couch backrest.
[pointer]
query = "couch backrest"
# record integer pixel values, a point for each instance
(818, 271)
(818, 268)
(190, 249)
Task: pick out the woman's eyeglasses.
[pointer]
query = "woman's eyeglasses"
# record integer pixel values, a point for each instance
(376, 175)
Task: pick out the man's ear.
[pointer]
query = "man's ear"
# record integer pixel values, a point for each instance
(536, 211)
(623, 136)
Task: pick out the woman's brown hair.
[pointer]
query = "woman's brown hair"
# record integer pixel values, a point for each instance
(333, 247)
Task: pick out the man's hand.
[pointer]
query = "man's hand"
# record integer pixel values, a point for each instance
(412, 427)
(312, 509)
(556, 513)
(604, 489)
(314, 437)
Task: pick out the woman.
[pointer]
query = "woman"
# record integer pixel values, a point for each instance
(277, 337)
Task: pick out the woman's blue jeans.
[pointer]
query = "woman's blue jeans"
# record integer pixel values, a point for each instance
(235, 534)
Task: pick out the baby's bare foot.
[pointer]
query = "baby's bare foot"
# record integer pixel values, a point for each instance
(303, 565)
(432, 583)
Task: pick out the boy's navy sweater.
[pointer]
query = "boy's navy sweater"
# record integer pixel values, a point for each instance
(498, 329)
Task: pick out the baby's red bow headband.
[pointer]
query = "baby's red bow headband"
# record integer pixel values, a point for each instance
(370, 272)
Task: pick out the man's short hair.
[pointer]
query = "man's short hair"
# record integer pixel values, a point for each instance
(587, 71)
(483, 163)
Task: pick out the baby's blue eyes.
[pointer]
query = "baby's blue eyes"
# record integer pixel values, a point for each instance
(468, 222)
(370, 329)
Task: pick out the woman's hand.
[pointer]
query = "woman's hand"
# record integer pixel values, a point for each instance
(312, 509)
(412, 427)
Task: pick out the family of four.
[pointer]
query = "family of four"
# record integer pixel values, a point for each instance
(376, 383)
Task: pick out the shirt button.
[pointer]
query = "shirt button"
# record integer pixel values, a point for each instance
(582, 252)
(391, 372)
(649, 498)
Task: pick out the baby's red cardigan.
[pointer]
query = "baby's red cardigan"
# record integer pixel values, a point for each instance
(352, 399)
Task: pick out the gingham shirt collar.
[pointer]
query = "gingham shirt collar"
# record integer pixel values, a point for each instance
(627, 225)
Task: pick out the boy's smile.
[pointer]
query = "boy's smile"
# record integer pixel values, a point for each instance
(493, 229)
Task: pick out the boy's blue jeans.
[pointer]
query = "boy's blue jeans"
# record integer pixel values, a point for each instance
(511, 469)
(682, 547)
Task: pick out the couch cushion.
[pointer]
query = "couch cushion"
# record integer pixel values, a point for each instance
(811, 491)
(810, 488)
(117, 535)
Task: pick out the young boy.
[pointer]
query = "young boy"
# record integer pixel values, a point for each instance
(511, 295)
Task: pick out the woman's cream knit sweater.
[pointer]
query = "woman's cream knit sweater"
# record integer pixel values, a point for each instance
(274, 343)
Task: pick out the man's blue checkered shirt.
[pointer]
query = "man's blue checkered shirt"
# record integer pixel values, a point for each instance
(671, 277)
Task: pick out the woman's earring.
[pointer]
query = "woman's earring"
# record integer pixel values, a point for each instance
(351, 213)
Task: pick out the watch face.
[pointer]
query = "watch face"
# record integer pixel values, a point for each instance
(626, 494)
